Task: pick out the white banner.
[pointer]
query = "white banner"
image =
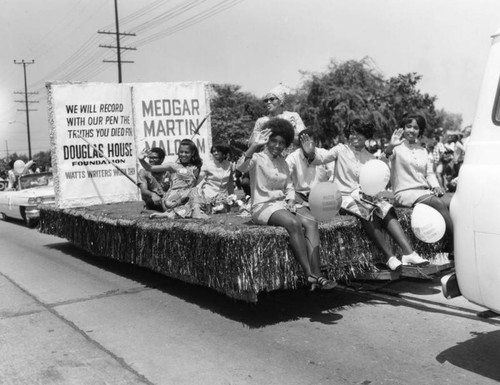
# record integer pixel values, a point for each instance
(166, 113)
(97, 129)
(91, 129)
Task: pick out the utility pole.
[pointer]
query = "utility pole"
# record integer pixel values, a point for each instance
(118, 46)
(24, 63)
(7, 148)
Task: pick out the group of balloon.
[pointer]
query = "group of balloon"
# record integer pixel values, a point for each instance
(325, 201)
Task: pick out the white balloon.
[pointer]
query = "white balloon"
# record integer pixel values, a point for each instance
(374, 176)
(19, 166)
(427, 223)
(325, 200)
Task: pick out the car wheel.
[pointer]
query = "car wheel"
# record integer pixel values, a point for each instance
(4, 217)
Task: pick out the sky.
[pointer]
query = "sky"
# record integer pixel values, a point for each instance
(252, 43)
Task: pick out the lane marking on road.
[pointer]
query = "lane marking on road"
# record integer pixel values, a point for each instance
(7, 315)
(111, 293)
(121, 361)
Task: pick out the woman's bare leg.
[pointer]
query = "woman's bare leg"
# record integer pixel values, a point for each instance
(393, 227)
(378, 235)
(312, 238)
(286, 219)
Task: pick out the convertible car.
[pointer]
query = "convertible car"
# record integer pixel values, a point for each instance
(23, 203)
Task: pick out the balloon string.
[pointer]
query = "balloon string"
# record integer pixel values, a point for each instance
(307, 217)
(423, 200)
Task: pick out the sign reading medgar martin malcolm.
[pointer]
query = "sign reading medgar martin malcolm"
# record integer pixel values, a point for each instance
(166, 113)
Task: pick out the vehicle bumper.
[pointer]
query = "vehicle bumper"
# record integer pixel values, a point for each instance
(32, 212)
(449, 285)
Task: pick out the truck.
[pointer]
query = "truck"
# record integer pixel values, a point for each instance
(475, 206)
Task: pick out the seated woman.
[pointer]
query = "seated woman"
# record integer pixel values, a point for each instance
(215, 183)
(184, 175)
(304, 176)
(273, 195)
(152, 184)
(412, 173)
(377, 216)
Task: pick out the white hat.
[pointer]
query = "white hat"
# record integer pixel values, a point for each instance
(280, 91)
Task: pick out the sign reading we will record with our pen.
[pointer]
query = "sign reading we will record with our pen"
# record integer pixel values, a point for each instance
(92, 135)
(98, 128)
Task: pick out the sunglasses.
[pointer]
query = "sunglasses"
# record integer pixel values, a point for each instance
(272, 100)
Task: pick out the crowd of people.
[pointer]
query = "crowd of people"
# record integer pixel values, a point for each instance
(17, 168)
(279, 168)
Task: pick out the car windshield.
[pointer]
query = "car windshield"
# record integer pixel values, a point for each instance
(35, 180)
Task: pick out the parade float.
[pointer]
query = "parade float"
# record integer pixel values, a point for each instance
(225, 253)
(96, 131)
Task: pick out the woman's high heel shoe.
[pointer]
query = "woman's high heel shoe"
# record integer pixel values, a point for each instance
(321, 282)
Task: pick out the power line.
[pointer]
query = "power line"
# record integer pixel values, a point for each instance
(140, 13)
(224, 5)
(85, 63)
(76, 16)
(168, 15)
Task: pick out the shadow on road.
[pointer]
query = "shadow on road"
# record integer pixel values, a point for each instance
(419, 286)
(271, 308)
(403, 285)
(277, 306)
(480, 355)
(16, 222)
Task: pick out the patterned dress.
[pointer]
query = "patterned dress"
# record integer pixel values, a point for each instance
(183, 180)
(216, 184)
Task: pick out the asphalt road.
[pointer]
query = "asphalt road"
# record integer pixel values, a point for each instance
(69, 318)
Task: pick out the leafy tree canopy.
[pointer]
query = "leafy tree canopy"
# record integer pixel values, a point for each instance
(43, 160)
(331, 101)
(233, 115)
(448, 121)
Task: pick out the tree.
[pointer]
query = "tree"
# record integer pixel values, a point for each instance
(403, 97)
(233, 115)
(15, 156)
(348, 91)
(448, 121)
(43, 160)
(330, 102)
